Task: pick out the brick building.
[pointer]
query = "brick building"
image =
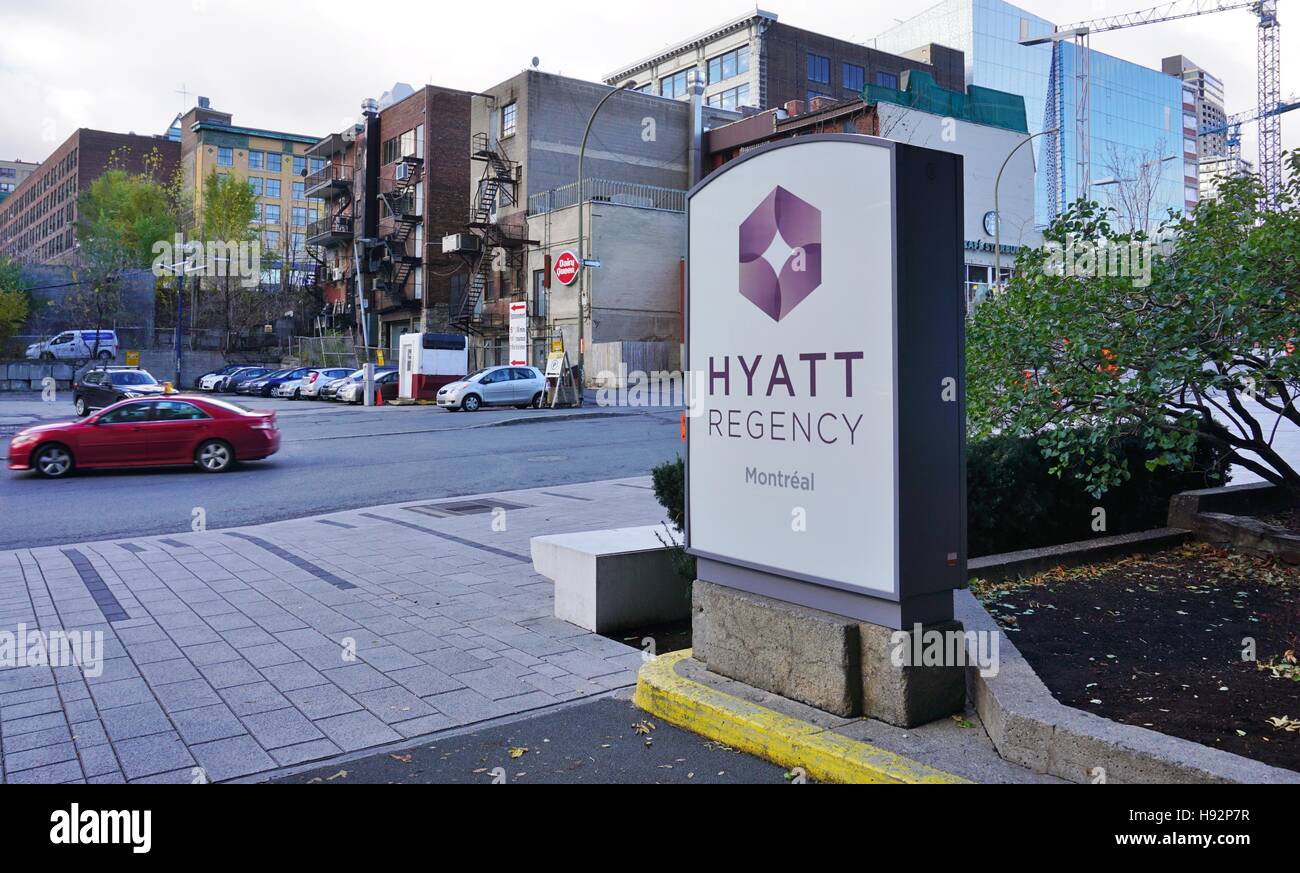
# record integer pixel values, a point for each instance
(393, 186)
(274, 163)
(642, 157)
(756, 61)
(38, 219)
(12, 174)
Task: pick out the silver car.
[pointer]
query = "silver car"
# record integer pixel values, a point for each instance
(314, 381)
(520, 387)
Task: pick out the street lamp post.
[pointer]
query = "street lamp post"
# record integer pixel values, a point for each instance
(583, 291)
(997, 211)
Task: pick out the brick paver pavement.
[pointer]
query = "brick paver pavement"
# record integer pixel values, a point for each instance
(232, 653)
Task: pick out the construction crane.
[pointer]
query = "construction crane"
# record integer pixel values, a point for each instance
(1231, 126)
(1268, 82)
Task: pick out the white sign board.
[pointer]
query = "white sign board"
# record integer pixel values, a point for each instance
(795, 439)
(518, 334)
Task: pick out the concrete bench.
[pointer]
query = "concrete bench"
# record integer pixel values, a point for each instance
(612, 580)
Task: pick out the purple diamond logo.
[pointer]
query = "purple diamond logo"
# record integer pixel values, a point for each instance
(780, 253)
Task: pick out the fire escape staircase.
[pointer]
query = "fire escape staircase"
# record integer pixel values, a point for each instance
(496, 188)
(405, 212)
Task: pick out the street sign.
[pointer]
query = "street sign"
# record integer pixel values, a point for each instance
(591, 262)
(567, 268)
(518, 334)
(826, 458)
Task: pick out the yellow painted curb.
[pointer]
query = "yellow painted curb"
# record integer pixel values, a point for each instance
(789, 742)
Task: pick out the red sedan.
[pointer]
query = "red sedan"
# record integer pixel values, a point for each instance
(149, 432)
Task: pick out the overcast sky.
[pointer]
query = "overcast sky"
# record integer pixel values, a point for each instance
(304, 67)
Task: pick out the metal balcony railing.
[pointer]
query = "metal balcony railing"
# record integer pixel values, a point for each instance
(331, 176)
(331, 228)
(609, 191)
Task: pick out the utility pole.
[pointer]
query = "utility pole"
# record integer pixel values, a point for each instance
(583, 289)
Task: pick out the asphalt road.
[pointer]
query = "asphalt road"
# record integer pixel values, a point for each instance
(332, 458)
(602, 741)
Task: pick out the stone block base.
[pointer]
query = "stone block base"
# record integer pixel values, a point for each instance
(834, 663)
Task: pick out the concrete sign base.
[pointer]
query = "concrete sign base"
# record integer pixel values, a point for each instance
(831, 662)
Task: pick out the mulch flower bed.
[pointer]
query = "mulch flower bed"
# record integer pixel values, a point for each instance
(1157, 641)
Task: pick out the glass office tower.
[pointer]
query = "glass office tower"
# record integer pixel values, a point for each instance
(1136, 112)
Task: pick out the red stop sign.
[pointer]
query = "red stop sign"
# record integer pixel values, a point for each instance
(567, 267)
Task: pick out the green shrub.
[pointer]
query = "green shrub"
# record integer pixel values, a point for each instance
(670, 489)
(1014, 501)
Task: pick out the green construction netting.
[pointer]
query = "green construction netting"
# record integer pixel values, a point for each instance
(979, 105)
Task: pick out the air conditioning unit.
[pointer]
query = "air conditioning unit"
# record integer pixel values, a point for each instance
(403, 171)
(462, 243)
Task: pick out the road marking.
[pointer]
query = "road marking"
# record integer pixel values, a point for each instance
(95, 584)
(455, 539)
(779, 738)
(301, 563)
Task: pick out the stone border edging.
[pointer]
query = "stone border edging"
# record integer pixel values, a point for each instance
(1007, 565)
(1030, 727)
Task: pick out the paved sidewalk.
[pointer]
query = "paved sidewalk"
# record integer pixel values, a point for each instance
(240, 652)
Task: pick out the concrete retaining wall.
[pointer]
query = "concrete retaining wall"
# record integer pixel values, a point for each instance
(31, 375)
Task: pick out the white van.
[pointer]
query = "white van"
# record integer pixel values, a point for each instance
(76, 345)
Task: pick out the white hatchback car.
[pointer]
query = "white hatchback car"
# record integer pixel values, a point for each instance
(314, 381)
(521, 387)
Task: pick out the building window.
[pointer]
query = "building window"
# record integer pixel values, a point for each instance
(299, 165)
(272, 213)
(417, 283)
(255, 182)
(317, 164)
(299, 216)
(819, 69)
(886, 79)
(257, 213)
(538, 309)
(299, 190)
(408, 143)
(299, 243)
(273, 162)
(256, 160)
(389, 151)
(225, 156)
(509, 119)
(855, 78)
(1191, 193)
(675, 85)
(1189, 146)
(732, 98)
(726, 66)
(273, 189)
(272, 238)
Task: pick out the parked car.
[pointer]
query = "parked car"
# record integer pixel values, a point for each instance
(386, 383)
(264, 385)
(76, 345)
(101, 387)
(233, 383)
(521, 387)
(226, 383)
(214, 381)
(214, 375)
(181, 429)
(314, 381)
(333, 389)
(291, 387)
